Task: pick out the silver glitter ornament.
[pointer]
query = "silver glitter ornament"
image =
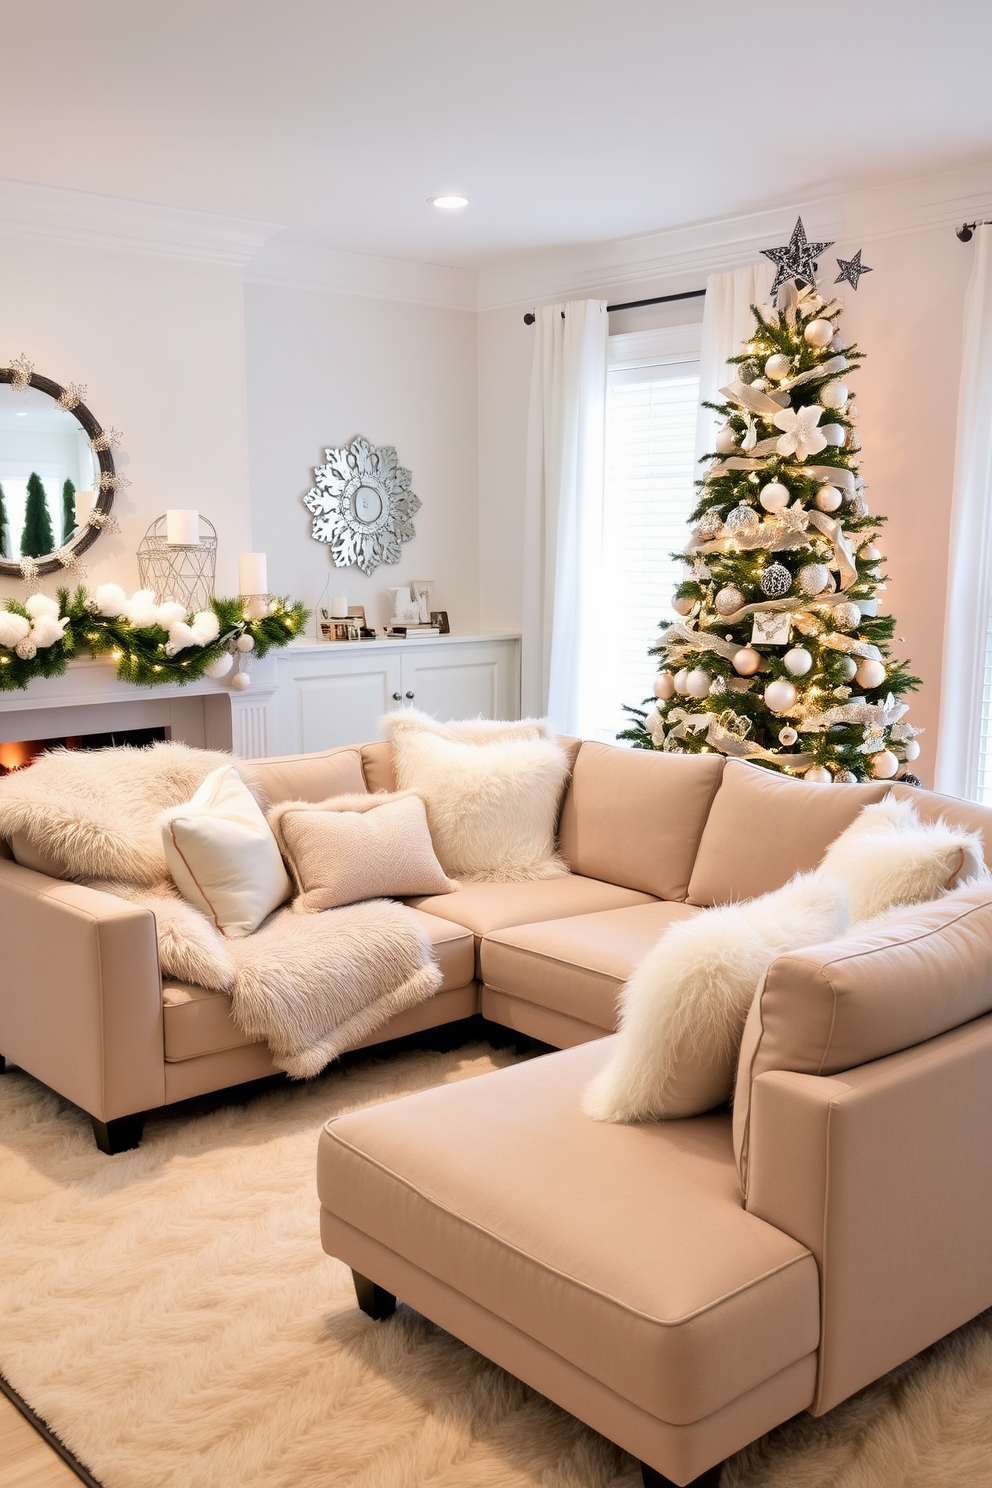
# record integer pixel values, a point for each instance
(813, 578)
(775, 580)
(742, 520)
(728, 600)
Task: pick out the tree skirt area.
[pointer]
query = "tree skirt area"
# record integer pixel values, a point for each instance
(171, 1315)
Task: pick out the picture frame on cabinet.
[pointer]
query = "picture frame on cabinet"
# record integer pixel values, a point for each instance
(440, 619)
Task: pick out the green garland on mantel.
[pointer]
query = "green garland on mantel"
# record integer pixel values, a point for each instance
(140, 651)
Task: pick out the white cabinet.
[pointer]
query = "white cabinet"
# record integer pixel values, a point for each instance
(330, 694)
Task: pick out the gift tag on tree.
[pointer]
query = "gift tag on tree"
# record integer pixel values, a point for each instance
(772, 628)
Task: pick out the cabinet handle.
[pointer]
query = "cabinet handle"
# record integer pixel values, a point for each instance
(397, 696)
(409, 694)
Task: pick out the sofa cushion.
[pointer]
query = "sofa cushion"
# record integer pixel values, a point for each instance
(485, 907)
(200, 1022)
(377, 762)
(310, 777)
(915, 974)
(577, 965)
(635, 816)
(763, 828)
(624, 1249)
(965, 815)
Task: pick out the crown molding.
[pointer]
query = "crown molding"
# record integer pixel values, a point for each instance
(289, 265)
(681, 257)
(86, 219)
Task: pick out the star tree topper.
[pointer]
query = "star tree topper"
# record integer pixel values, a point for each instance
(795, 259)
(851, 270)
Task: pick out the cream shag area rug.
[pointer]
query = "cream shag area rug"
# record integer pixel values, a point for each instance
(170, 1313)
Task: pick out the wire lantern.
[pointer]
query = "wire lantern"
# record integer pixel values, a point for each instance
(182, 572)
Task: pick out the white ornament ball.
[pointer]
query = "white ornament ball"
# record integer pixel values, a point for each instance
(746, 662)
(818, 775)
(773, 496)
(683, 605)
(220, 666)
(728, 600)
(884, 765)
(813, 578)
(837, 342)
(240, 681)
(760, 385)
(834, 433)
(245, 642)
(911, 749)
(664, 686)
(847, 616)
(681, 681)
(778, 367)
(110, 600)
(828, 498)
(819, 333)
(798, 661)
(742, 520)
(834, 395)
(780, 695)
(787, 736)
(870, 553)
(870, 673)
(26, 650)
(697, 683)
(726, 440)
(848, 668)
(14, 628)
(41, 604)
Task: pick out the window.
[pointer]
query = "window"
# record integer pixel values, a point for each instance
(652, 404)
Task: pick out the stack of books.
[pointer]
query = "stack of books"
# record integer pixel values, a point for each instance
(414, 630)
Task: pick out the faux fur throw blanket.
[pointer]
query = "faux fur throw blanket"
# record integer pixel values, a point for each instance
(311, 986)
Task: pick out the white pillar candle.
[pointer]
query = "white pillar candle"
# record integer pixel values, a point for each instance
(84, 504)
(253, 575)
(339, 607)
(182, 528)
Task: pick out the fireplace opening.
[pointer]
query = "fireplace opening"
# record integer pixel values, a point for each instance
(18, 755)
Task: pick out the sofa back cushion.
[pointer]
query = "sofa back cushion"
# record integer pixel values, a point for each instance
(764, 827)
(967, 815)
(310, 777)
(913, 975)
(634, 817)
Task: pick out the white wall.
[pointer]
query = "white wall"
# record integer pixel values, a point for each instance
(324, 367)
(159, 343)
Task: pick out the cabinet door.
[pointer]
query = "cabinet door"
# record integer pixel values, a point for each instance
(337, 697)
(456, 681)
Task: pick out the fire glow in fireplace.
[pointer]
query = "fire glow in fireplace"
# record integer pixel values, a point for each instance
(18, 754)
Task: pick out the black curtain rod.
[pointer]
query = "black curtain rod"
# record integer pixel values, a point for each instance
(967, 230)
(689, 294)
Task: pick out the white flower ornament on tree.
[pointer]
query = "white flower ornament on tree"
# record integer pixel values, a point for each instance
(801, 437)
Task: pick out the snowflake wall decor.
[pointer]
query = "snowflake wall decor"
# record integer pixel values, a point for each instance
(362, 505)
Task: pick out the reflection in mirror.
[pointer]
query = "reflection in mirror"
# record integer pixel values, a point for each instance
(47, 474)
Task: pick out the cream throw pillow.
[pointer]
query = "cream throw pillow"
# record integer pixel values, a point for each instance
(465, 730)
(222, 855)
(492, 808)
(351, 848)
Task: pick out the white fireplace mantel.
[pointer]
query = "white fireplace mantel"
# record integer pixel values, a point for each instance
(308, 695)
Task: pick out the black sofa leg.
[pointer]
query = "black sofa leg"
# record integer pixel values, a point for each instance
(119, 1135)
(374, 1301)
(3, 1064)
(654, 1479)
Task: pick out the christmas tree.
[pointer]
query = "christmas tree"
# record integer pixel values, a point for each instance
(36, 538)
(779, 655)
(68, 510)
(3, 526)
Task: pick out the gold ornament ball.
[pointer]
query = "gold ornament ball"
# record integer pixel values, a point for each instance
(911, 749)
(834, 433)
(664, 686)
(773, 496)
(240, 681)
(780, 695)
(884, 765)
(834, 395)
(778, 367)
(682, 605)
(828, 498)
(818, 774)
(798, 661)
(819, 333)
(746, 662)
(870, 673)
(697, 683)
(681, 681)
(728, 600)
(787, 736)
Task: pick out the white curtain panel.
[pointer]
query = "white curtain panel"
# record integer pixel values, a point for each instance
(564, 512)
(727, 322)
(969, 588)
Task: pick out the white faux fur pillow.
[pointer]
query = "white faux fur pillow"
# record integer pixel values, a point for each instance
(683, 1009)
(465, 730)
(888, 857)
(492, 808)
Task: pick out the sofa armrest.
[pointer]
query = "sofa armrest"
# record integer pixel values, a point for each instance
(885, 1173)
(81, 992)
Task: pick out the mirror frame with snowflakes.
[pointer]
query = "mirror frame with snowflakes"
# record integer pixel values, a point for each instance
(362, 505)
(106, 480)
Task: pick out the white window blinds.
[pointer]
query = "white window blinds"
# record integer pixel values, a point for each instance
(652, 400)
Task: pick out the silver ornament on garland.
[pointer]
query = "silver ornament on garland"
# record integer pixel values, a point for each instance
(775, 580)
(709, 524)
(851, 270)
(845, 777)
(728, 600)
(795, 259)
(743, 519)
(813, 578)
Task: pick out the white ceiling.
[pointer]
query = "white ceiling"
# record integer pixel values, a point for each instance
(564, 121)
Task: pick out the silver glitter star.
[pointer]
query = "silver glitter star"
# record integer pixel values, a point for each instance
(851, 270)
(795, 259)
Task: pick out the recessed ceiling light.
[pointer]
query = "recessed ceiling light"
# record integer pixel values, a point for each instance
(448, 203)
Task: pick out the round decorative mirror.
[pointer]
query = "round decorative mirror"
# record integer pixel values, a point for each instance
(362, 505)
(57, 476)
